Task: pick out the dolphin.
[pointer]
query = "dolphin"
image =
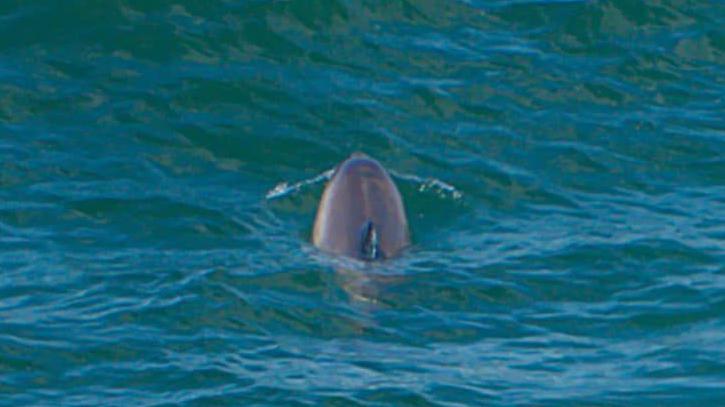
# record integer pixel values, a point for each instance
(361, 213)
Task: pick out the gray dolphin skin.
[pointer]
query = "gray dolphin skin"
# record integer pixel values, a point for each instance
(361, 213)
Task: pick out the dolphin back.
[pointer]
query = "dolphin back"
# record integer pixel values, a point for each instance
(361, 212)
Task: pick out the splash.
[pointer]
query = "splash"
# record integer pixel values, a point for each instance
(434, 185)
(284, 189)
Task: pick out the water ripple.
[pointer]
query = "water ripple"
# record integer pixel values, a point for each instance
(561, 164)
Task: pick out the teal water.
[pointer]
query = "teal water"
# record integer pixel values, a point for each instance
(562, 165)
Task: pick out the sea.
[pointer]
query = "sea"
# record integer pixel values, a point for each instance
(562, 165)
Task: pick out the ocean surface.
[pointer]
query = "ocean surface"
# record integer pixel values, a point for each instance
(562, 164)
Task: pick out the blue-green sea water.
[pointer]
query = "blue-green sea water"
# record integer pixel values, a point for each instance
(562, 164)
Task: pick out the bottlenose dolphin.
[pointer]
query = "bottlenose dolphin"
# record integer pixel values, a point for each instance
(361, 213)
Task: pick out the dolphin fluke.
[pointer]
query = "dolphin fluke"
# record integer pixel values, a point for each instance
(361, 212)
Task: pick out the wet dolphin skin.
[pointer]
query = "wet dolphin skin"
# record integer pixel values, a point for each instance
(361, 213)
